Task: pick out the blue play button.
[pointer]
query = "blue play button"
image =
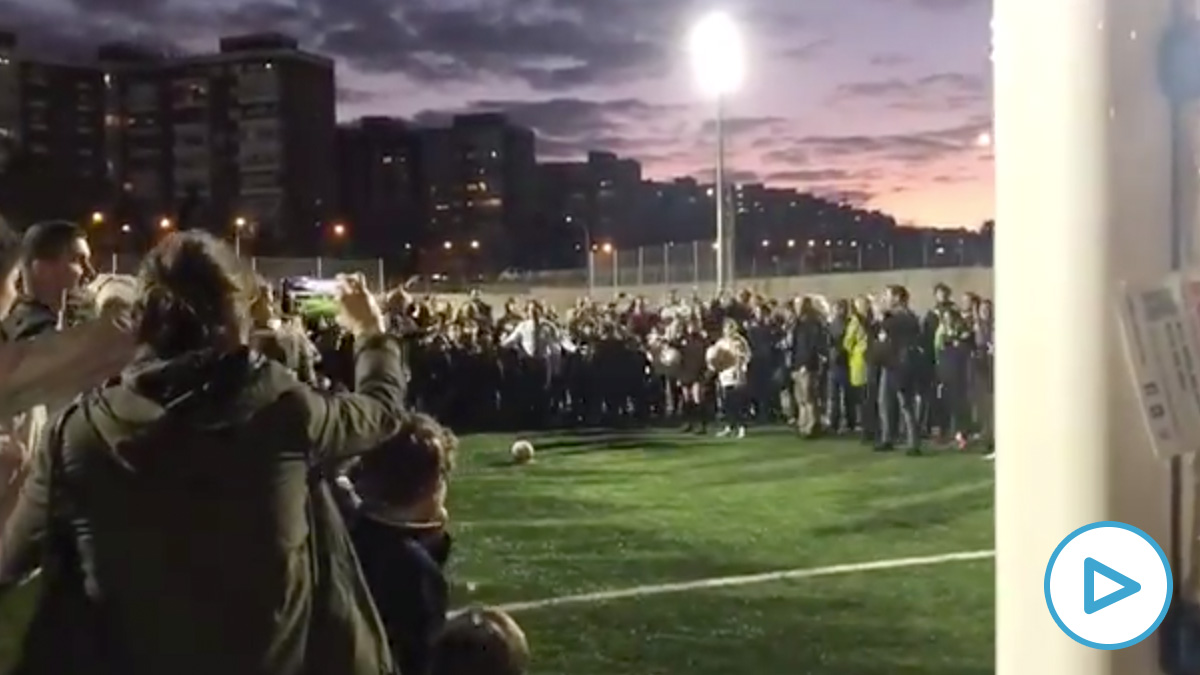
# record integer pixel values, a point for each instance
(1109, 577)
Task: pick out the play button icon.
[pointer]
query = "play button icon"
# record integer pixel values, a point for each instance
(1107, 576)
(1095, 568)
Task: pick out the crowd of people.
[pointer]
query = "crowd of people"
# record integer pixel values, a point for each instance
(308, 461)
(205, 510)
(861, 366)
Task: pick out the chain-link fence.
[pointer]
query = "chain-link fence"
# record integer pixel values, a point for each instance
(275, 269)
(696, 262)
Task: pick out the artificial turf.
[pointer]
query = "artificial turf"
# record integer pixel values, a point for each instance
(604, 511)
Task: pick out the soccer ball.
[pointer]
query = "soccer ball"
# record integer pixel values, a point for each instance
(720, 357)
(522, 452)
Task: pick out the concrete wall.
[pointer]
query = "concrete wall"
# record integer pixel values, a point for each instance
(920, 283)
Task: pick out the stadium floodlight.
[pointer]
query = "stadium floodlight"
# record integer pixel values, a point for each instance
(718, 55)
(719, 65)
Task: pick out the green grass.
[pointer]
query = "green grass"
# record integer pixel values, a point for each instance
(614, 511)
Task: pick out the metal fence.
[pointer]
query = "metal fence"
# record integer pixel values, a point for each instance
(278, 268)
(691, 263)
(696, 262)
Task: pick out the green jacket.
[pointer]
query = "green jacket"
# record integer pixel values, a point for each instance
(185, 489)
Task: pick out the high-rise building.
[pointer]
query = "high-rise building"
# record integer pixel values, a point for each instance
(615, 184)
(589, 203)
(51, 128)
(681, 210)
(564, 216)
(478, 192)
(241, 138)
(377, 198)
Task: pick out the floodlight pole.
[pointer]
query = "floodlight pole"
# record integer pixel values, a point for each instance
(719, 193)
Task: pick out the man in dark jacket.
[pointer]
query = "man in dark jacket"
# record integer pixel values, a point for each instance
(55, 262)
(899, 344)
(931, 411)
(807, 343)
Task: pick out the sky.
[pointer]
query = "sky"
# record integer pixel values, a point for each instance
(882, 103)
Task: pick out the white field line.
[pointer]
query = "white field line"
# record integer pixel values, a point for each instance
(748, 579)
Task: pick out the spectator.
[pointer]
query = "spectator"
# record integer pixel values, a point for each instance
(400, 536)
(481, 642)
(277, 339)
(175, 513)
(55, 261)
(10, 255)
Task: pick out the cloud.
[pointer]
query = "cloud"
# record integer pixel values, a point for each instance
(348, 95)
(808, 176)
(889, 59)
(809, 51)
(940, 5)
(42, 30)
(741, 126)
(544, 44)
(852, 196)
(913, 148)
(737, 176)
(568, 128)
(938, 92)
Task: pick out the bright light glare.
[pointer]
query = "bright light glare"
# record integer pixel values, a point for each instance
(717, 53)
(984, 140)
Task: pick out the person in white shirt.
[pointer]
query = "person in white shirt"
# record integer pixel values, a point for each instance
(544, 346)
(732, 363)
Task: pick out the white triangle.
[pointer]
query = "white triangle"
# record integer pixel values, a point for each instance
(1104, 586)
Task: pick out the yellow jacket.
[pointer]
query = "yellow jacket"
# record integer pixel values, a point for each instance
(855, 343)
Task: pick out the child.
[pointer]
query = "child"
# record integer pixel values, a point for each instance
(398, 529)
(481, 641)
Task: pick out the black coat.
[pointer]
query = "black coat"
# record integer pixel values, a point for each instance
(403, 567)
(186, 492)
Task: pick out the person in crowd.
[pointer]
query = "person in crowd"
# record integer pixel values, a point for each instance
(693, 376)
(399, 532)
(279, 340)
(900, 360)
(55, 262)
(930, 411)
(762, 333)
(806, 344)
(10, 257)
(732, 365)
(863, 394)
(841, 404)
(953, 346)
(983, 359)
(179, 514)
(481, 641)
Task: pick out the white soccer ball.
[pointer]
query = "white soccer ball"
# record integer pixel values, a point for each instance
(720, 357)
(671, 358)
(522, 452)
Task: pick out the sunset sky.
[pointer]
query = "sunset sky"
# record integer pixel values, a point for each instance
(880, 102)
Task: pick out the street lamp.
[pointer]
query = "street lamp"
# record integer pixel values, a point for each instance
(239, 224)
(164, 224)
(475, 244)
(719, 65)
(97, 218)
